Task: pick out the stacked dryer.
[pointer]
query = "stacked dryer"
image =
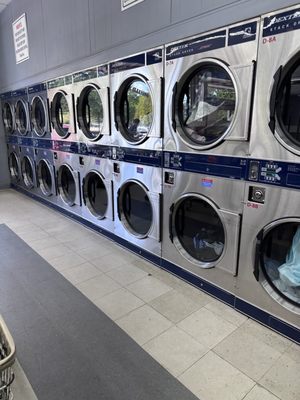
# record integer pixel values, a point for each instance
(91, 89)
(137, 103)
(269, 274)
(209, 86)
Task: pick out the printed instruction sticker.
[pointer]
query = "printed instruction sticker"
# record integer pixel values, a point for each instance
(129, 3)
(21, 39)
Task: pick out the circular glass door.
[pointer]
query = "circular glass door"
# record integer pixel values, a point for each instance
(95, 194)
(135, 209)
(205, 105)
(14, 166)
(280, 262)
(199, 233)
(7, 118)
(27, 171)
(67, 185)
(60, 114)
(38, 116)
(134, 110)
(90, 112)
(288, 106)
(21, 117)
(45, 177)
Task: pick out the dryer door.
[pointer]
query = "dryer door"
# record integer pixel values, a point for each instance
(277, 262)
(22, 117)
(14, 166)
(97, 195)
(285, 105)
(46, 177)
(62, 114)
(137, 109)
(39, 116)
(7, 117)
(204, 234)
(92, 112)
(138, 210)
(211, 103)
(28, 171)
(68, 185)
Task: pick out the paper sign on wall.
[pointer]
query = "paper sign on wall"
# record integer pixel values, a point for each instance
(21, 39)
(129, 3)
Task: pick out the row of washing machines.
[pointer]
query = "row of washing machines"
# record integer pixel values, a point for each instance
(188, 154)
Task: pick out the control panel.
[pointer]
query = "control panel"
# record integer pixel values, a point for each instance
(265, 171)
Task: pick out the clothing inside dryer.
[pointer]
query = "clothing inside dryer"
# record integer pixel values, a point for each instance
(199, 229)
(207, 104)
(281, 260)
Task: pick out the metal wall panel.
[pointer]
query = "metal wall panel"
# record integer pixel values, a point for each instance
(66, 29)
(100, 24)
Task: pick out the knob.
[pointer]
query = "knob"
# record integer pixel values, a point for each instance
(258, 194)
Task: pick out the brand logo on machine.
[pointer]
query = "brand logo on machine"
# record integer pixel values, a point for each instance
(281, 23)
(97, 162)
(140, 170)
(242, 34)
(205, 182)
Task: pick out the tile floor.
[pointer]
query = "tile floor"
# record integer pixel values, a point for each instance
(213, 350)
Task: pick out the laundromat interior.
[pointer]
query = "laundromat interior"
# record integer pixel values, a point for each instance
(149, 200)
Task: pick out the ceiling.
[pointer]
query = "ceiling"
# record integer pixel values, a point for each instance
(3, 4)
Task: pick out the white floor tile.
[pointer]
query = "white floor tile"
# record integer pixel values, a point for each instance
(118, 303)
(52, 252)
(97, 287)
(212, 378)
(206, 327)
(174, 305)
(144, 324)
(109, 262)
(259, 393)
(175, 350)
(283, 379)
(226, 312)
(148, 288)
(81, 273)
(66, 261)
(126, 274)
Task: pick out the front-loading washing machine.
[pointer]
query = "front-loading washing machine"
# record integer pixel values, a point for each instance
(137, 87)
(67, 168)
(27, 167)
(62, 109)
(275, 131)
(45, 174)
(8, 113)
(39, 111)
(21, 109)
(269, 270)
(91, 90)
(13, 152)
(208, 91)
(137, 203)
(97, 192)
(202, 217)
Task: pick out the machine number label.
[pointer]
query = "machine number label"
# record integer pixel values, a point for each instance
(252, 205)
(169, 63)
(270, 39)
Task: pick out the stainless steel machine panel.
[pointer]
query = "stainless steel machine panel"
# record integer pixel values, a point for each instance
(137, 197)
(91, 90)
(28, 169)
(14, 163)
(209, 83)
(136, 92)
(45, 174)
(62, 109)
(97, 192)
(202, 220)
(276, 123)
(269, 272)
(67, 168)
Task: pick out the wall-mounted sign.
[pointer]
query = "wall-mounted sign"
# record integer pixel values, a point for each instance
(20, 39)
(129, 3)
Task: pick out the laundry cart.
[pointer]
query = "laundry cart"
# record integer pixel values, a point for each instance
(7, 358)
